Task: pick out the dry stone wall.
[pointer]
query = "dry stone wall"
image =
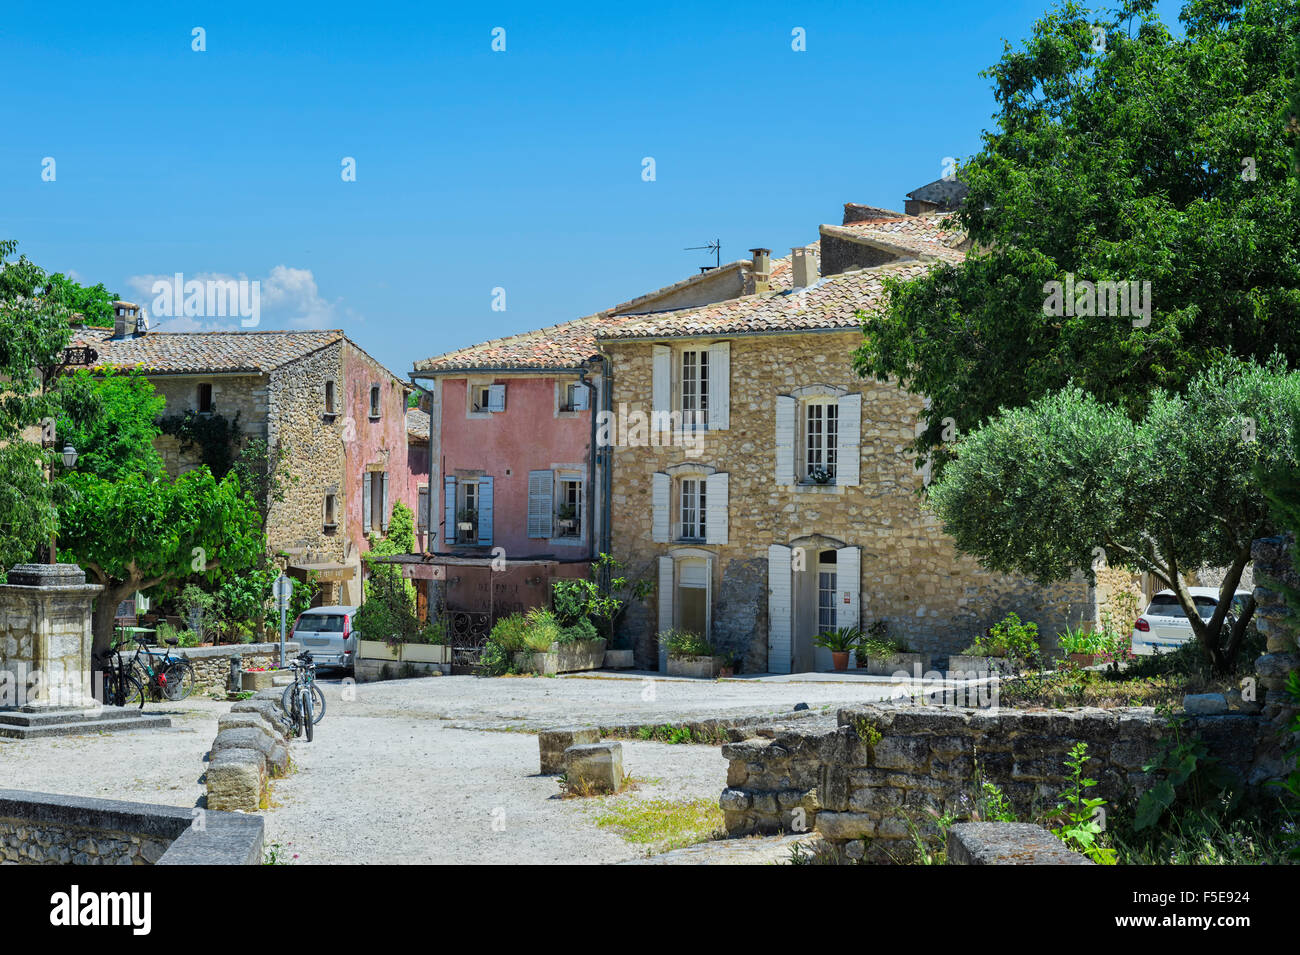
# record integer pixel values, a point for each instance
(23, 842)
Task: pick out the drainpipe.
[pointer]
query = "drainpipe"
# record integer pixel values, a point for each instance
(591, 459)
(607, 477)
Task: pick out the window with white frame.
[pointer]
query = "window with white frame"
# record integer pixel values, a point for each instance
(821, 441)
(691, 496)
(826, 591)
(568, 508)
(467, 512)
(694, 387)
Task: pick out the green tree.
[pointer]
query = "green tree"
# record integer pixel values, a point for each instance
(108, 416)
(141, 531)
(95, 303)
(34, 331)
(1040, 488)
(1123, 153)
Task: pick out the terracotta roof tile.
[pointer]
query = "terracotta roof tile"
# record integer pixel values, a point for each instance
(907, 235)
(832, 303)
(559, 346)
(417, 424)
(180, 352)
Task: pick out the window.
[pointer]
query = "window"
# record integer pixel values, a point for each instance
(573, 396)
(821, 441)
(331, 510)
(695, 388)
(487, 398)
(329, 397)
(467, 512)
(205, 398)
(568, 508)
(826, 591)
(482, 397)
(692, 502)
(374, 401)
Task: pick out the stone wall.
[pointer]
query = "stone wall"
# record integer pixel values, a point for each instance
(1280, 627)
(911, 575)
(251, 749)
(862, 794)
(242, 395)
(28, 843)
(48, 829)
(212, 664)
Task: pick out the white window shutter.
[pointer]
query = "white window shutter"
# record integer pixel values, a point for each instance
(541, 503)
(448, 509)
(661, 383)
(665, 605)
(719, 386)
(365, 502)
(779, 608)
(485, 511)
(785, 430)
(848, 581)
(715, 513)
(580, 395)
(496, 397)
(849, 453)
(660, 493)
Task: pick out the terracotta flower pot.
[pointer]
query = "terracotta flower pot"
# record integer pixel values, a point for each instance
(840, 659)
(725, 672)
(1083, 659)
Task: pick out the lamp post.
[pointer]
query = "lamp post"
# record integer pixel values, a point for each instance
(69, 462)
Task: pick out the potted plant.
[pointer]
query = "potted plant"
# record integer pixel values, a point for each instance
(466, 518)
(566, 516)
(1081, 646)
(689, 654)
(840, 642)
(728, 666)
(820, 475)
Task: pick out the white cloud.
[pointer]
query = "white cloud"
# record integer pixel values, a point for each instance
(290, 298)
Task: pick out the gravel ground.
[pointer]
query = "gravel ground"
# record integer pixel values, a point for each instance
(431, 770)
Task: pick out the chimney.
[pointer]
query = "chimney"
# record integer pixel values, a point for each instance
(762, 269)
(126, 319)
(803, 265)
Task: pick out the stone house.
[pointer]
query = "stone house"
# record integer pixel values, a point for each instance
(774, 496)
(338, 413)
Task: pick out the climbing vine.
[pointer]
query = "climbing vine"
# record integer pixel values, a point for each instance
(215, 437)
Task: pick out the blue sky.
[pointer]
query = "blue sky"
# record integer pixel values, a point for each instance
(475, 169)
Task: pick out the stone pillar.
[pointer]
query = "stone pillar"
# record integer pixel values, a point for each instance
(46, 637)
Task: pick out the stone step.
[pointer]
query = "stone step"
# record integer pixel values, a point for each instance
(45, 717)
(114, 724)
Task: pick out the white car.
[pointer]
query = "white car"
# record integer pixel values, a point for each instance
(1164, 626)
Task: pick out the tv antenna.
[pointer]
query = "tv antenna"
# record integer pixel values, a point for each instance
(715, 247)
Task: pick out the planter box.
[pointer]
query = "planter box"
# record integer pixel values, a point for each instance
(619, 660)
(563, 658)
(981, 665)
(1083, 659)
(707, 667)
(425, 653)
(253, 680)
(888, 666)
(376, 650)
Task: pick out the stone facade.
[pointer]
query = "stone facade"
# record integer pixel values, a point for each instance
(910, 574)
(329, 452)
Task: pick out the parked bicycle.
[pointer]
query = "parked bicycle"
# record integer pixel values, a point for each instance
(163, 675)
(302, 699)
(121, 688)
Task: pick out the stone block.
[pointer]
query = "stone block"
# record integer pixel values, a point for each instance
(1205, 704)
(842, 826)
(902, 752)
(594, 767)
(553, 742)
(1008, 843)
(236, 779)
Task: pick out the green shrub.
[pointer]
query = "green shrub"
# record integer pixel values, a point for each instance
(683, 643)
(581, 629)
(1009, 638)
(508, 633)
(1079, 640)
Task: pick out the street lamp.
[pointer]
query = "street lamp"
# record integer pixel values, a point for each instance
(69, 462)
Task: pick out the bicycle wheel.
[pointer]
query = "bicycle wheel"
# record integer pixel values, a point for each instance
(110, 688)
(317, 703)
(306, 716)
(289, 698)
(133, 694)
(180, 680)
